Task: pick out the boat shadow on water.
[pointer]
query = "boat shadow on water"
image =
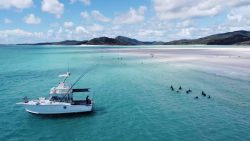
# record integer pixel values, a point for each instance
(64, 116)
(95, 112)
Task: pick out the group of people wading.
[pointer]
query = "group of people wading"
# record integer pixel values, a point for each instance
(189, 91)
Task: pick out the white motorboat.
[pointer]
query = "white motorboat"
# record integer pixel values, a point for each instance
(60, 100)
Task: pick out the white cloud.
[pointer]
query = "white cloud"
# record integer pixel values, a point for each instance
(15, 32)
(19, 4)
(19, 36)
(186, 32)
(7, 21)
(240, 15)
(80, 30)
(97, 15)
(96, 28)
(238, 19)
(185, 9)
(77, 33)
(236, 3)
(147, 33)
(84, 14)
(72, 1)
(32, 19)
(50, 33)
(85, 2)
(116, 27)
(13, 36)
(53, 7)
(68, 25)
(235, 17)
(132, 16)
(185, 23)
(181, 9)
(53, 25)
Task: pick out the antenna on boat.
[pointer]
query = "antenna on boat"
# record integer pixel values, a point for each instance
(68, 67)
(66, 75)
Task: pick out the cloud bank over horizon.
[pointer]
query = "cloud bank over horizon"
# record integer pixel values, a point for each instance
(30, 21)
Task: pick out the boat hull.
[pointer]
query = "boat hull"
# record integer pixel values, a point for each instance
(58, 109)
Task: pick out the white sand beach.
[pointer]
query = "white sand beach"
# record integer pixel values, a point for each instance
(230, 62)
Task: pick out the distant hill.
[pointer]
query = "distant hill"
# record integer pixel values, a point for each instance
(106, 41)
(119, 40)
(128, 41)
(66, 42)
(230, 38)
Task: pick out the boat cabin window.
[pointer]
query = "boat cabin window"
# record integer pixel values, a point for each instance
(59, 98)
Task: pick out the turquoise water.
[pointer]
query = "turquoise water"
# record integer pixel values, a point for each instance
(133, 99)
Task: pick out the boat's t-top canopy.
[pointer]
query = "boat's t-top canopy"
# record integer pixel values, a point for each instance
(80, 90)
(67, 74)
(64, 88)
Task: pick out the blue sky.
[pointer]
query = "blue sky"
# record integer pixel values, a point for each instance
(29, 21)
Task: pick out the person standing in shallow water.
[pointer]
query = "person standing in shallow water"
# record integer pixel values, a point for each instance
(203, 93)
(87, 100)
(180, 88)
(172, 88)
